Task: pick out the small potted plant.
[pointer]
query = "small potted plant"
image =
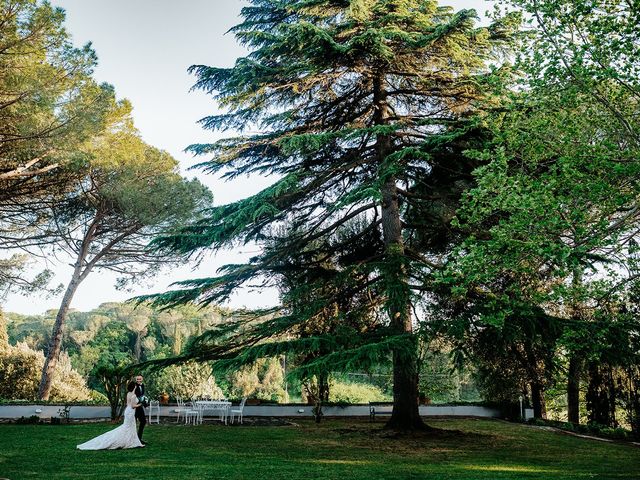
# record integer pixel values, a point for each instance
(423, 398)
(164, 398)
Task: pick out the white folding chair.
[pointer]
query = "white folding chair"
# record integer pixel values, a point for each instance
(198, 407)
(181, 408)
(193, 414)
(238, 411)
(154, 406)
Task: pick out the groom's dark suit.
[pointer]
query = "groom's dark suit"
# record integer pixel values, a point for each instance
(140, 415)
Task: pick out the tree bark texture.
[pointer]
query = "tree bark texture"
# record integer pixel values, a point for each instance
(53, 352)
(597, 396)
(80, 272)
(573, 390)
(405, 415)
(537, 398)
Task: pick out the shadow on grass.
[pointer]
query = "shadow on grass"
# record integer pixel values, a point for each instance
(377, 434)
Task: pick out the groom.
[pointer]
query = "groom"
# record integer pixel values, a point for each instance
(140, 415)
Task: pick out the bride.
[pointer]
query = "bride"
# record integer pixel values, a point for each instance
(125, 436)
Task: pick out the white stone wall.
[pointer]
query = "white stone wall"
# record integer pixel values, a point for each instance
(48, 411)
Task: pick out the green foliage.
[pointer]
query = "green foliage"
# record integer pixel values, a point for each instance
(554, 197)
(416, 168)
(547, 222)
(114, 328)
(263, 380)
(33, 419)
(135, 193)
(185, 381)
(49, 101)
(111, 374)
(34, 330)
(49, 106)
(75, 175)
(20, 368)
(353, 393)
(64, 413)
(352, 101)
(12, 275)
(588, 429)
(442, 380)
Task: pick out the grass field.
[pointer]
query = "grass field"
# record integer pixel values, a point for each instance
(465, 449)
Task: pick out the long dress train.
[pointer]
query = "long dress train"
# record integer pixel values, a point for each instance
(124, 436)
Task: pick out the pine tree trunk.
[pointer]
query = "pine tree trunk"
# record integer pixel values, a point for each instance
(405, 414)
(633, 374)
(323, 388)
(597, 401)
(543, 404)
(537, 398)
(612, 395)
(80, 272)
(573, 390)
(55, 343)
(138, 346)
(177, 339)
(575, 364)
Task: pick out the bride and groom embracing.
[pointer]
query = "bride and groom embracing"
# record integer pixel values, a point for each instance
(125, 436)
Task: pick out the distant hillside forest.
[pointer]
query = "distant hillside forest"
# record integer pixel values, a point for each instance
(120, 333)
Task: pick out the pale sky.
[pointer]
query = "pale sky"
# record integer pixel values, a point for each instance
(144, 48)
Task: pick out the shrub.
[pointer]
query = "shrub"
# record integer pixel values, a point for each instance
(111, 374)
(33, 419)
(186, 381)
(341, 392)
(68, 385)
(20, 370)
(588, 429)
(263, 380)
(617, 433)
(97, 398)
(64, 414)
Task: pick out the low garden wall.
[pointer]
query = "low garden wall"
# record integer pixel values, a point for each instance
(290, 410)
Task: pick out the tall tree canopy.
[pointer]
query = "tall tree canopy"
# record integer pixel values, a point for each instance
(129, 193)
(555, 207)
(364, 109)
(49, 105)
(48, 100)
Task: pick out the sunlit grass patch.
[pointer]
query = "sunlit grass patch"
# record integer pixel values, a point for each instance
(342, 462)
(509, 468)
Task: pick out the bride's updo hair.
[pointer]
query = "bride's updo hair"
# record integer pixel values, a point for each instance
(131, 386)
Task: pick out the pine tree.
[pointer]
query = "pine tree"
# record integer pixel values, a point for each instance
(131, 192)
(364, 109)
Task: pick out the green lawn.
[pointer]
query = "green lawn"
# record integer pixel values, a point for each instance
(337, 449)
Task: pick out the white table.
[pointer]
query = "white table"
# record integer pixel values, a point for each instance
(222, 406)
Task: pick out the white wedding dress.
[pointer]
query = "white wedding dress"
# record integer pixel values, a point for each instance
(124, 436)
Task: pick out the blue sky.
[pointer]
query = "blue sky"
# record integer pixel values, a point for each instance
(144, 48)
